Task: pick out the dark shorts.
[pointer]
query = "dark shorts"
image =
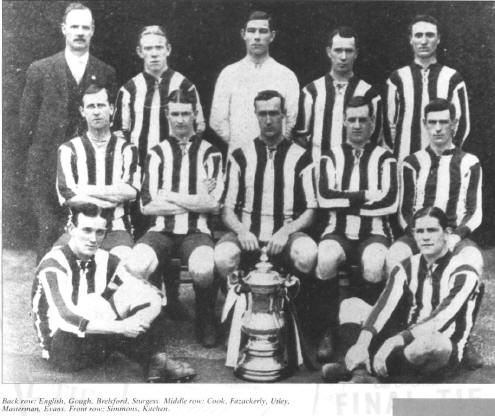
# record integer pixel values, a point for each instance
(281, 261)
(354, 249)
(409, 240)
(167, 245)
(112, 239)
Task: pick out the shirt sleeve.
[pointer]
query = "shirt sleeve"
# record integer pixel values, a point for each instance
(407, 195)
(57, 288)
(304, 125)
(131, 173)
(329, 195)
(388, 202)
(200, 117)
(213, 167)
(152, 172)
(232, 179)
(220, 107)
(463, 283)
(66, 171)
(461, 104)
(391, 113)
(292, 102)
(473, 203)
(122, 114)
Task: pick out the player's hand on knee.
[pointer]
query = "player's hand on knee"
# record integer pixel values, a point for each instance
(248, 241)
(357, 356)
(380, 360)
(278, 242)
(131, 328)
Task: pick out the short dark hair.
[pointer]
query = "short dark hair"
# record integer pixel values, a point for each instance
(260, 15)
(151, 30)
(183, 96)
(423, 18)
(359, 101)
(440, 104)
(76, 6)
(91, 210)
(434, 212)
(266, 95)
(343, 32)
(93, 89)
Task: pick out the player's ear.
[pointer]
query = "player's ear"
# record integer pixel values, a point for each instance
(243, 33)
(139, 51)
(81, 110)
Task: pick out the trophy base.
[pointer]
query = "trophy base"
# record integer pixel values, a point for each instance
(261, 369)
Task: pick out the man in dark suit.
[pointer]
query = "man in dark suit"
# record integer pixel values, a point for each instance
(49, 115)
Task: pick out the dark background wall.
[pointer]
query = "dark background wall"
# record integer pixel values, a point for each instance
(205, 37)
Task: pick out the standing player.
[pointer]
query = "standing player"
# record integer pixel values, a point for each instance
(321, 109)
(444, 176)
(49, 115)
(182, 185)
(140, 107)
(358, 186)
(411, 87)
(83, 311)
(423, 318)
(100, 168)
(237, 85)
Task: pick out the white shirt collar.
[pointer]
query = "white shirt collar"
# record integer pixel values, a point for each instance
(76, 60)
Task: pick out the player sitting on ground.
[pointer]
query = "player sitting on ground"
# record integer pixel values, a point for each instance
(83, 311)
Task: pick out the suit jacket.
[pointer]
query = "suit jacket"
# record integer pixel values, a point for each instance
(44, 113)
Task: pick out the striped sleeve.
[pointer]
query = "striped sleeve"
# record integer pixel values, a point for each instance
(66, 173)
(213, 168)
(62, 309)
(376, 102)
(131, 173)
(200, 118)
(388, 202)
(407, 194)
(391, 112)
(152, 172)
(461, 103)
(304, 124)
(463, 282)
(473, 203)
(122, 113)
(232, 183)
(388, 301)
(328, 194)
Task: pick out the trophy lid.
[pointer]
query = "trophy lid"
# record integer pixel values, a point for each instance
(263, 274)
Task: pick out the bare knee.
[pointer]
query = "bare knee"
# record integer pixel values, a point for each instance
(398, 252)
(201, 265)
(141, 262)
(303, 254)
(227, 256)
(373, 262)
(353, 310)
(330, 256)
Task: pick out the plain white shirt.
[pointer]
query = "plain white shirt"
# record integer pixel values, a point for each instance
(232, 112)
(77, 64)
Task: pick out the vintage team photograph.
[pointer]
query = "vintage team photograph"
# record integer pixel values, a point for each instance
(248, 192)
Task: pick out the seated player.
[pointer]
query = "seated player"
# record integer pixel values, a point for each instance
(357, 185)
(182, 184)
(83, 311)
(101, 169)
(447, 177)
(269, 199)
(422, 320)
